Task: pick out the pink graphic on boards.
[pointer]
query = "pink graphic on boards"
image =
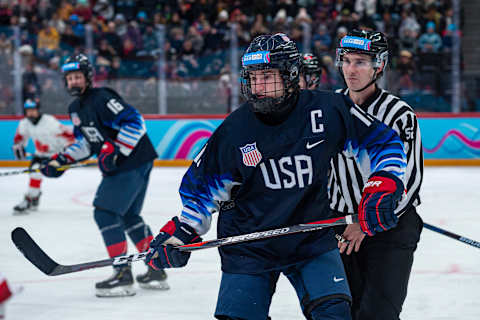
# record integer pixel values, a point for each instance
(472, 144)
(190, 141)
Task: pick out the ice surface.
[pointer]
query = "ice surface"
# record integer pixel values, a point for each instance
(445, 282)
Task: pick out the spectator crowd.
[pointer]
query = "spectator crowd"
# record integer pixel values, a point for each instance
(124, 37)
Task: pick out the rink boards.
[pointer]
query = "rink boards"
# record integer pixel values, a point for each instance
(448, 139)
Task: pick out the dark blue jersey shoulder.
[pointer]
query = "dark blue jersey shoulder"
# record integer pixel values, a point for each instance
(101, 114)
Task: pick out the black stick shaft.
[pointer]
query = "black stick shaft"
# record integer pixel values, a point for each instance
(452, 235)
(76, 165)
(307, 227)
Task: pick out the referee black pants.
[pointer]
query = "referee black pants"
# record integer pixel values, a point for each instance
(378, 274)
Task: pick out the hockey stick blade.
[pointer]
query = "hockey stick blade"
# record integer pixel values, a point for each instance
(305, 227)
(47, 265)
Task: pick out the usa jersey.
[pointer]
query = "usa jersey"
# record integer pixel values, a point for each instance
(100, 114)
(48, 134)
(347, 175)
(261, 177)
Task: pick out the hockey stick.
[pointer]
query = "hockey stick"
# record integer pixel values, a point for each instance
(452, 235)
(62, 168)
(305, 227)
(42, 261)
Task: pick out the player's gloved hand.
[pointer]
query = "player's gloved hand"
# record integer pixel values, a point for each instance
(379, 200)
(108, 157)
(162, 249)
(49, 167)
(19, 151)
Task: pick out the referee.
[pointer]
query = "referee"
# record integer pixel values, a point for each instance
(378, 267)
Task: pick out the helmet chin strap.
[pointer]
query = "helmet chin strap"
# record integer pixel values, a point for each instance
(75, 91)
(374, 79)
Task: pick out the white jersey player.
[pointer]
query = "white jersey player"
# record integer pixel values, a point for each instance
(6, 292)
(49, 137)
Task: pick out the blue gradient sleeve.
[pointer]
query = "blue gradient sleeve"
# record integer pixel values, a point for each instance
(130, 125)
(380, 150)
(375, 146)
(201, 198)
(207, 182)
(80, 149)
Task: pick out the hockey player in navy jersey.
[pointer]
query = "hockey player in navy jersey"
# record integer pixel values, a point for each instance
(266, 167)
(311, 73)
(108, 127)
(378, 265)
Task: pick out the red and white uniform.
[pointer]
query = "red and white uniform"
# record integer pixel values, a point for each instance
(49, 135)
(5, 292)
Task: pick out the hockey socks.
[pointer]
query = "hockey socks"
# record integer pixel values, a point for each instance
(138, 231)
(112, 232)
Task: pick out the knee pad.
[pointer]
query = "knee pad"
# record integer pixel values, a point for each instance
(332, 307)
(131, 221)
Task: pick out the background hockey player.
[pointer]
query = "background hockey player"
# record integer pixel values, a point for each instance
(311, 72)
(6, 292)
(49, 137)
(108, 127)
(270, 158)
(378, 265)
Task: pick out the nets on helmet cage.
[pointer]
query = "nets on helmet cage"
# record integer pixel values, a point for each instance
(270, 72)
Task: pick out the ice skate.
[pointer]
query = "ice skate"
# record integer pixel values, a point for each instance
(23, 207)
(35, 201)
(153, 279)
(120, 284)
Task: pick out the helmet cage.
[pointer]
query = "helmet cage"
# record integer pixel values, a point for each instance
(30, 104)
(285, 58)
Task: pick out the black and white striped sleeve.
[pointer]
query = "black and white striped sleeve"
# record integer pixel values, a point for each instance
(405, 123)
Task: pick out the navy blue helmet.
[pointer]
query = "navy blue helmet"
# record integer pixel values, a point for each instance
(372, 43)
(311, 69)
(267, 52)
(78, 62)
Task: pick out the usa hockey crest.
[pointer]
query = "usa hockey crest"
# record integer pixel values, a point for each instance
(75, 119)
(251, 156)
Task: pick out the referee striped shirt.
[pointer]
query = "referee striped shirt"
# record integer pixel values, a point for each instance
(346, 178)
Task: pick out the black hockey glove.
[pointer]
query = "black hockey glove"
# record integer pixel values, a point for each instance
(162, 251)
(49, 167)
(19, 151)
(376, 212)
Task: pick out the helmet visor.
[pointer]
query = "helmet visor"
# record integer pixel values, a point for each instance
(359, 45)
